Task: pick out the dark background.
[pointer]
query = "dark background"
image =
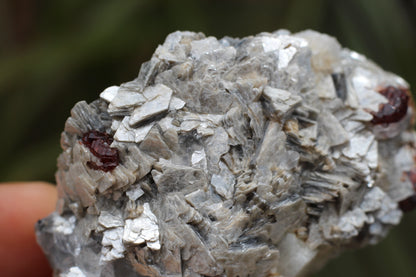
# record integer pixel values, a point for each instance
(55, 53)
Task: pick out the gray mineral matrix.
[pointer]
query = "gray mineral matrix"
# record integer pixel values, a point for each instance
(260, 156)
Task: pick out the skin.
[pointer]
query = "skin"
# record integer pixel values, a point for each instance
(21, 206)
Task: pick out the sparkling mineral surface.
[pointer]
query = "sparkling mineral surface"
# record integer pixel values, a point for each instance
(260, 156)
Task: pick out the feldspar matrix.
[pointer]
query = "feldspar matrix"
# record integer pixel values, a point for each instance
(260, 156)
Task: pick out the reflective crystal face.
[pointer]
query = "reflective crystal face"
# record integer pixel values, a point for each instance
(260, 156)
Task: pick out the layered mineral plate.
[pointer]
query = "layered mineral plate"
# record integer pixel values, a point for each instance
(260, 156)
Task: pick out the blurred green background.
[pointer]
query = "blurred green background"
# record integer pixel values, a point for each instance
(55, 53)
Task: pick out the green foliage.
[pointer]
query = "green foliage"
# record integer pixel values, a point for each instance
(55, 53)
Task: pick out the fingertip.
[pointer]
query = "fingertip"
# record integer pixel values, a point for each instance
(21, 206)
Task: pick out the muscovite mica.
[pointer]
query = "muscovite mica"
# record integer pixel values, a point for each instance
(260, 156)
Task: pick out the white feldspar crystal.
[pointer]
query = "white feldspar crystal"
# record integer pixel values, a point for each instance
(261, 156)
(158, 99)
(108, 220)
(109, 93)
(124, 101)
(113, 245)
(143, 229)
(176, 104)
(73, 272)
(128, 134)
(282, 101)
(134, 192)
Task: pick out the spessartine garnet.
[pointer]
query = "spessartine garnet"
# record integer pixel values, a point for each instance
(396, 107)
(99, 145)
(409, 204)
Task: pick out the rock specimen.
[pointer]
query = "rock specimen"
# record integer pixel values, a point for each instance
(260, 156)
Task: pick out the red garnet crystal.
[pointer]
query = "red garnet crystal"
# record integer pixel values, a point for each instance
(99, 145)
(409, 203)
(395, 109)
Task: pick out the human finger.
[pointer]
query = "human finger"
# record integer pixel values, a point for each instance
(21, 205)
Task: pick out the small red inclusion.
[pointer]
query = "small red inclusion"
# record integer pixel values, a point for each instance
(99, 145)
(409, 203)
(395, 109)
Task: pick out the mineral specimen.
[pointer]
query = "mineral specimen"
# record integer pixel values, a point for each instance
(260, 156)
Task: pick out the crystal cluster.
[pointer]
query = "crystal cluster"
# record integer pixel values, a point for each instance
(260, 156)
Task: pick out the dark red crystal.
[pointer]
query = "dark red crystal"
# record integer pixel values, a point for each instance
(396, 107)
(99, 145)
(409, 203)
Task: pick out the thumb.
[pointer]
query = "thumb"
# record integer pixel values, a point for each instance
(21, 205)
